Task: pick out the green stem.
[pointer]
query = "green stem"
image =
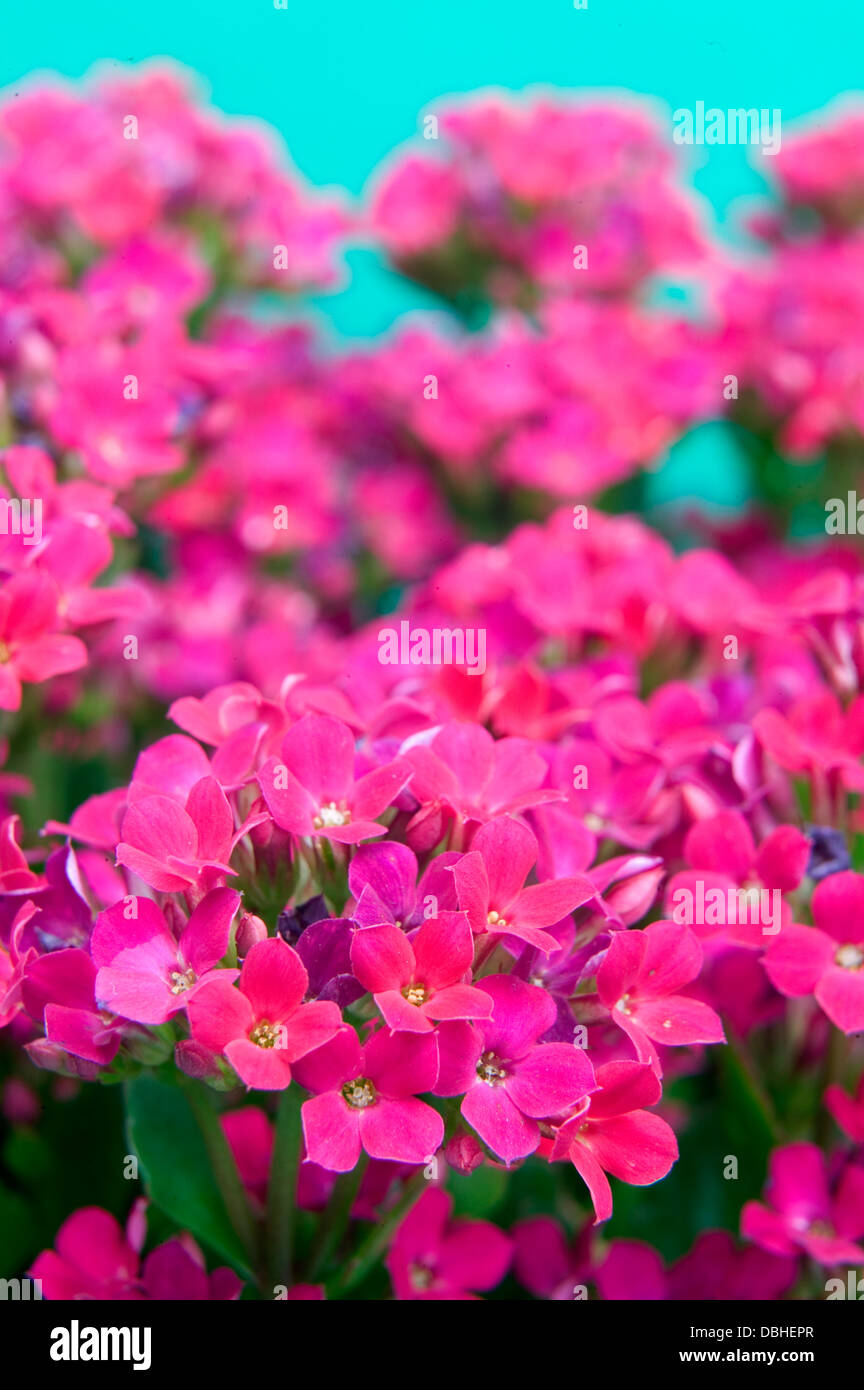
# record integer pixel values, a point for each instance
(282, 1185)
(370, 1250)
(336, 1218)
(834, 1064)
(739, 1062)
(223, 1166)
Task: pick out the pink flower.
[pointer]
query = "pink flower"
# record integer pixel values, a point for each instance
(365, 1098)
(804, 1213)
(93, 1259)
(639, 982)
(826, 960)
(632, 1270)
(817, 736)
(417, 206)
(489, 884)
(419, 981)
(509, 1079)
(848, 1112)
(718, 1269)
(262, 1026)
(77, 553)
(250, 1138)
(545, 1263)
(463, 773)
(614, 1133)
(313, 790)
(59, 990)
(714, 1269)
(175, 847)
(120, 438)
(177, 1271)
(383, 879)
(144, 972)
(31, 648)
(723, 855)
(434, 1258)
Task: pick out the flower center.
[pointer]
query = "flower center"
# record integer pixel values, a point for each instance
(4, 652)
(593, 822)
(849, 957)
(329, 816)
(359, 1093)
(623, 1005)
(415, 994)
(181, 980)
(112, 449)
(495, 921)
(821, 1228)
(490, 1070)
(265, 1034)
(421, 1277)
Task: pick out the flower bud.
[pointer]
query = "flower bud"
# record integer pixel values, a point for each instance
(464, 1153)
(249, 930)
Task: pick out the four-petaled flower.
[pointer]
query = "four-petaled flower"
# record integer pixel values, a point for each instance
(366, 1098)
(262, 1026)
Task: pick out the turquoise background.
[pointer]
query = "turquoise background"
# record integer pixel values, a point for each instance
(346, 81)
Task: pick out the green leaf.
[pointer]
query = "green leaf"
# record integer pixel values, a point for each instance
(175, 1166)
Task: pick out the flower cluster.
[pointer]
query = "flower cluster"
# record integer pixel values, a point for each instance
(492, 217)
(371, 930)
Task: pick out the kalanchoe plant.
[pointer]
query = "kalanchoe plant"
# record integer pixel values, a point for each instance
(410, 978)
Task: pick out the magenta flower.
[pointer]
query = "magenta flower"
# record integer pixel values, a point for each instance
(848, 1111)
(632, 1270)
(416, 982)
(262, 1026)
(816, 736)
(59, 990)
(639, 982)
(94, 1258)
(723, 855)
(511, 1080)
(614, 1133)
(804, 1213)
(383, 879)
(312, 791)
(120, 440)
(31, 647)
(723, 844)
(366, 1098)
(434, 1258)
(250, 1138)
(545, 1263)
(173, 847)
(826, 960)
(144, 972)
(489, 884)
(462, 773)
(176, 1271)
(717, 1269)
